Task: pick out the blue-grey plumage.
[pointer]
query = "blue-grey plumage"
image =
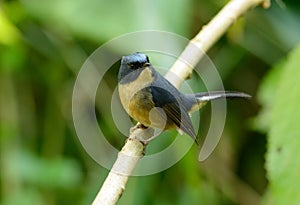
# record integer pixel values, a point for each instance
(153, 101)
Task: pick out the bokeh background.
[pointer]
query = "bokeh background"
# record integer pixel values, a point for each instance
(43, 45)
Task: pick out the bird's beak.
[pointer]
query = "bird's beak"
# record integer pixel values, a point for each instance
(146, 64)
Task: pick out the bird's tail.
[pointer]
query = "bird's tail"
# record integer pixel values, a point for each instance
(204, 97)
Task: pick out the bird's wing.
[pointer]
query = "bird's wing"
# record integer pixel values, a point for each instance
(181, 118)
(173, 108)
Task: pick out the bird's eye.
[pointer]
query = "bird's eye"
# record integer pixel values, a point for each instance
(137, 65)
(133, 66)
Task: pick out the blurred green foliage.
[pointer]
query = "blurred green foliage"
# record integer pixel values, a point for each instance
(283, 145)
(43, 44)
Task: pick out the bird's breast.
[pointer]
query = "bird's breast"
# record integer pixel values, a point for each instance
(131, 95)
(140, 105)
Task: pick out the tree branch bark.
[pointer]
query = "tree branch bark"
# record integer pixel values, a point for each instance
(134, 147)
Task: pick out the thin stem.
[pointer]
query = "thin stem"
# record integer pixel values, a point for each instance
(208, 36)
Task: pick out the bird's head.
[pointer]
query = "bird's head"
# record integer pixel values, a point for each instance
(133, 64)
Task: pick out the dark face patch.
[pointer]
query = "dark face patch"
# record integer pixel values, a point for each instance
(132, 65)
(127, 75)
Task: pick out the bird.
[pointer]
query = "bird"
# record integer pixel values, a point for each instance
(153, 101)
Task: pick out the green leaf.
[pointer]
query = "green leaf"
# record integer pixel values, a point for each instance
(283, 165)
(265, 97)
(9, 34)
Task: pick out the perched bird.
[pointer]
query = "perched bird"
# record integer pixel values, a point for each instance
(153, 101)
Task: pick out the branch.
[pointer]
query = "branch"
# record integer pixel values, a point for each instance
(128, 157)
(116, 180)
(208, 36)
(134, 147)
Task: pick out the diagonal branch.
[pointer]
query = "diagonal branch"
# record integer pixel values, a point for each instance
(133, 150)
(208, 36)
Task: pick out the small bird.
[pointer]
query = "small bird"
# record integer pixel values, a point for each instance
(152, 100)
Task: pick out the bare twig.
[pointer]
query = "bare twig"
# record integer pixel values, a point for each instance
(209, 34)
(115, 182)
(133, 150)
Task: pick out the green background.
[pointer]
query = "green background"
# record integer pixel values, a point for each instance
(43, 45)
